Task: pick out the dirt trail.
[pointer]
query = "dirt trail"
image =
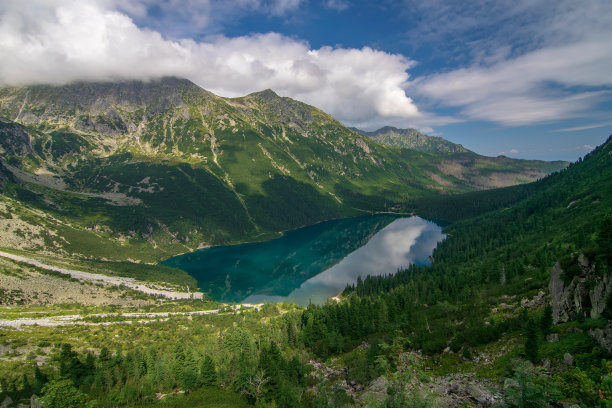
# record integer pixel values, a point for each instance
(78, 319)
(131, 283)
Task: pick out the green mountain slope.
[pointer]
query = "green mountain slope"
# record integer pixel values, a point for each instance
(412, 139)
(509, 269)
(144, 170)
(470, 163)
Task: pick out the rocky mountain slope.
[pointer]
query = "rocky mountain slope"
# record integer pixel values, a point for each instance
(144, 170)
(412, 139)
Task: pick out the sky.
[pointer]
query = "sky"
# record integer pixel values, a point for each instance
(523, 78)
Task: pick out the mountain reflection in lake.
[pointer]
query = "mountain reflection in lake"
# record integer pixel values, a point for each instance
(312, 263)
(404, 242)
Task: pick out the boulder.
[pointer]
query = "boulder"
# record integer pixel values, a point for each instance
(568, 359)
(35, 402)
(6, 402)
(603, 337)
(552, 337)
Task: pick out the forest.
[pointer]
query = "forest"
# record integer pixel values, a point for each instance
(485, 294)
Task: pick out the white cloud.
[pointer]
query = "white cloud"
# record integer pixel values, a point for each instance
(281, 7)
(61, 41)
(339, 5)
(588, 147)
(585, 127)
(553, 66)
(513, 151)
(530, 88)
(187, 18)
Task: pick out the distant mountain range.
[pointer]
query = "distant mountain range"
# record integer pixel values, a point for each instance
(145, 170)
(412, 139)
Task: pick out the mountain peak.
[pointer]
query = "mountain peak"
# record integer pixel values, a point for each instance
(266, 94)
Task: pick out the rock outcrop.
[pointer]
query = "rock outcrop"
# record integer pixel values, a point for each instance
(585, 294)
(603, 337)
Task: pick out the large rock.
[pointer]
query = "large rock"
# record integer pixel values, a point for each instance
(35, 402)
(603, 337)
(568, 359)
(6, 402)
(569, 299)
(561, 299)
(599, 294)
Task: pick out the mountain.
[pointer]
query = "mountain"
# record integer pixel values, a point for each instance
(524, 279)
(145, 170)
(515, 309)
(412, 139)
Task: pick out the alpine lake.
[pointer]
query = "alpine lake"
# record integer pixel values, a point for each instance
(313, 263)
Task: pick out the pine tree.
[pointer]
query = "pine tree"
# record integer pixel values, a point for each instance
(531, 341)
(546, 320)
(208, 374)
(604, 245)
(291, 336)
(179, 361)
(104, 355)
(190, 375)
(40, 379)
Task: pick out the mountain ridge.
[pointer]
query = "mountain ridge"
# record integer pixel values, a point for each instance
(168, 167)
(412, 139)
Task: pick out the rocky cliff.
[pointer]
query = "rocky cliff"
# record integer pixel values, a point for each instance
(583, 292)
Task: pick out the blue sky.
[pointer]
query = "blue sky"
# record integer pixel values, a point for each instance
(527, 78)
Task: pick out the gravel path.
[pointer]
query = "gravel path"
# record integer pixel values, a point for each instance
(51, 321)
(131, 283)
(78, 319)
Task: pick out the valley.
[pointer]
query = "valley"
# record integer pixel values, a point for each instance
(146, 170)
(101, 181)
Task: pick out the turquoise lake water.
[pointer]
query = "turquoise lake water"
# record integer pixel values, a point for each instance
(311, 263)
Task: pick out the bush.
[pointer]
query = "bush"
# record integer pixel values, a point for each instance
(62, 394)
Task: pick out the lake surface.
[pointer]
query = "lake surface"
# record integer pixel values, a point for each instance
(312, 263)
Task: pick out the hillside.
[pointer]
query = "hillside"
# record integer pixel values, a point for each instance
(412, 139)
(514, 311)
(487, 304)
(144, 170)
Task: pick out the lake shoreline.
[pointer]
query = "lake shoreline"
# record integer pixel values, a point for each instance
(275, 269)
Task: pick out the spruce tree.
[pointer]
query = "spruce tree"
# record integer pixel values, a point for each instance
(531, 341)
(208, 374)
(546, 320)
(604, 246)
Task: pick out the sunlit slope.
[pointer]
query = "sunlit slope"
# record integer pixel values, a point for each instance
(163, 167)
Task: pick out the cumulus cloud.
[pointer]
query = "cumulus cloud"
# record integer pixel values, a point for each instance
(60, 41)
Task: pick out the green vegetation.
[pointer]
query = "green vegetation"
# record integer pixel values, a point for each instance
(478, 316)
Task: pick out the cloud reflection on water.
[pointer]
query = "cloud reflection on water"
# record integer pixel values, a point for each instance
(403, 242)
